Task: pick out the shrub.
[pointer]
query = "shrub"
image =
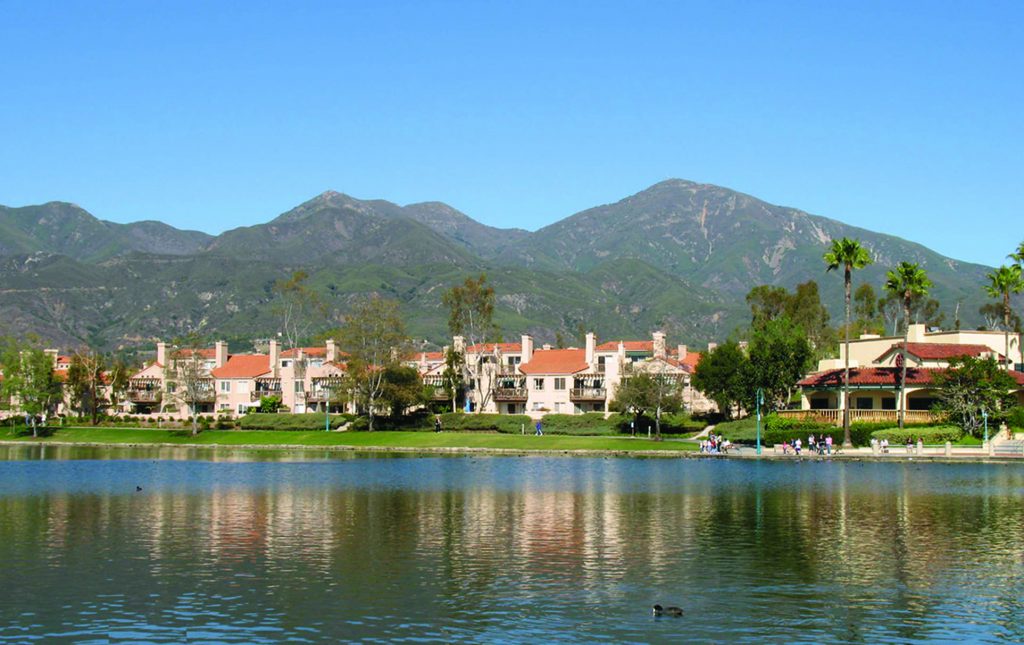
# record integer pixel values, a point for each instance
(1015, 417)
(929, 434)
(277, 421)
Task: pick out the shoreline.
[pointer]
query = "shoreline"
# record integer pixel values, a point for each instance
(745, 455)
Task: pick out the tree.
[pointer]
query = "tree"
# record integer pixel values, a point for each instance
(649, 391)
(298, 307)
(779, 356)
(866, 306)
(1003, 282)
(992, 315)
(29, 378)
(850, 255)
(452, 376)
(721, 376)
(471, 315)
(188, 379)
(767, 303)
(374, 336)
(906, 281)
(803, 307)
(85, 384)
(1018, 255)
(402, 389)
(973, 385)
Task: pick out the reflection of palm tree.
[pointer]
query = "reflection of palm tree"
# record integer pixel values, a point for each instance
(850, 255)
(906, 281)
(1002, 282)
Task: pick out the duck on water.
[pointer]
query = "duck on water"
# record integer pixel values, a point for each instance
(658, 610)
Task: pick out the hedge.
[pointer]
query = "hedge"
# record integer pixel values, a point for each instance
(308, 421)
(930, 435)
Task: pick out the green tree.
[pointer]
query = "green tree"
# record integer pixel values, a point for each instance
(721, 376)
(85, 384)
(767, 303)
(906, 281)
(803, 307)
(1018, 255)
(973, 385)
(471, 315)
(646, 392)
(374, 337)
(1003, 282)
(452, 376)
(850, 255)
(299, 309)
(29, 380)
(402, 389)
(778, 357)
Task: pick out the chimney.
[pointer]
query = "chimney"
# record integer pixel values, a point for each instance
(220, 353)
(52, 353)
(591, 347)
(332, 351)
(915, 333)
(659, 344)
(712, 347)
(622, 351)
(527, 342)
(161, 354)
(275, 358)
(459, 343)
(547, 346)
(681, 353)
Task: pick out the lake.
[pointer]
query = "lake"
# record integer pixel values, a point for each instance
(236, 546)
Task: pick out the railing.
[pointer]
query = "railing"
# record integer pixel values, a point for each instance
(510, 394)
(256, 395)
(874, 416)
(588, 394)
(145, 396)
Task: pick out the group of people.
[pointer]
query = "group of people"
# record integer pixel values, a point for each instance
(821, 445)
(715, 444)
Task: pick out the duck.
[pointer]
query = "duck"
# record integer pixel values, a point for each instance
(658, 610)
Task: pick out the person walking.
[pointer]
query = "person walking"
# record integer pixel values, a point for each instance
(539, 432)
(437, 423)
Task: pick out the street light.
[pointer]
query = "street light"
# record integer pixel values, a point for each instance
(984, 416)
(759, 398)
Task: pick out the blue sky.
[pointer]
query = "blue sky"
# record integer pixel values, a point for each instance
(904, 118)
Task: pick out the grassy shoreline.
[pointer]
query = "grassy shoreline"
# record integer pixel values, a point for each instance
(390, 440)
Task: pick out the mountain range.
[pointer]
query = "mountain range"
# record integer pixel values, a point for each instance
(679, 256)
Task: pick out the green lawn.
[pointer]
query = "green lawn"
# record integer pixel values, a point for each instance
(354, 439)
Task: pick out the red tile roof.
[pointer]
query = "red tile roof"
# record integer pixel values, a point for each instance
(205, 353)
(243, 366)
(939, 351)
(556, 361)
(630, 346)
(308, 351)
(504, 348)
(880, 376)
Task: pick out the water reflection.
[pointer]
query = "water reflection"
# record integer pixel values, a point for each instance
(519, 549)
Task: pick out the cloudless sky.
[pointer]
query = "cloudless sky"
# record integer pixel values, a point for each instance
(901, 117)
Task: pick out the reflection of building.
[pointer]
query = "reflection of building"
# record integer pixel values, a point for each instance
(875, 372)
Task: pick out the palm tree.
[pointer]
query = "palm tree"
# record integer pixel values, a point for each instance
(850, 255)
(1002, 282)
(1018, 255)
(906, 281)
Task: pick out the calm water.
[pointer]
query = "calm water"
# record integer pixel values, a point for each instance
(370, 548)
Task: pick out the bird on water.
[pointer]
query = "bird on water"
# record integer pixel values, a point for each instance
(658, 610)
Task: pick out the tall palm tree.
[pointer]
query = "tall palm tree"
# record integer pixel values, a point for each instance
(1002, 282)
(850, 255)
(906, 281)
(1018, 255)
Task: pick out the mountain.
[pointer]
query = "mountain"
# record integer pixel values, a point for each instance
(67, 229)
(679, 256)
(728, 242)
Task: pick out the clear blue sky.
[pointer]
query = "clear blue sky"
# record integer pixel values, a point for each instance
(896, 116)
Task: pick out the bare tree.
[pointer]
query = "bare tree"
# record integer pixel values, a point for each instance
(188, 379)
(471, 315)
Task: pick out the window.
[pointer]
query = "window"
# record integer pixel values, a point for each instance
(559, 383)
(514, 360)
(889, 403)
(600, 363)
(243, 387)
(298, 386)
(558, 408)
(286, 363)
(225, 386)
(538, 384)
(862, 403)
(225, 406)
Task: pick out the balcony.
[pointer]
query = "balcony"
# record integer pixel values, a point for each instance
(834, 416)
(588, 394)
(510, 394)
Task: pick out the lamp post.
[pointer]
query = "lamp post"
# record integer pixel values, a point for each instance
(759, 399)
(327, 408)
(984, 416)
